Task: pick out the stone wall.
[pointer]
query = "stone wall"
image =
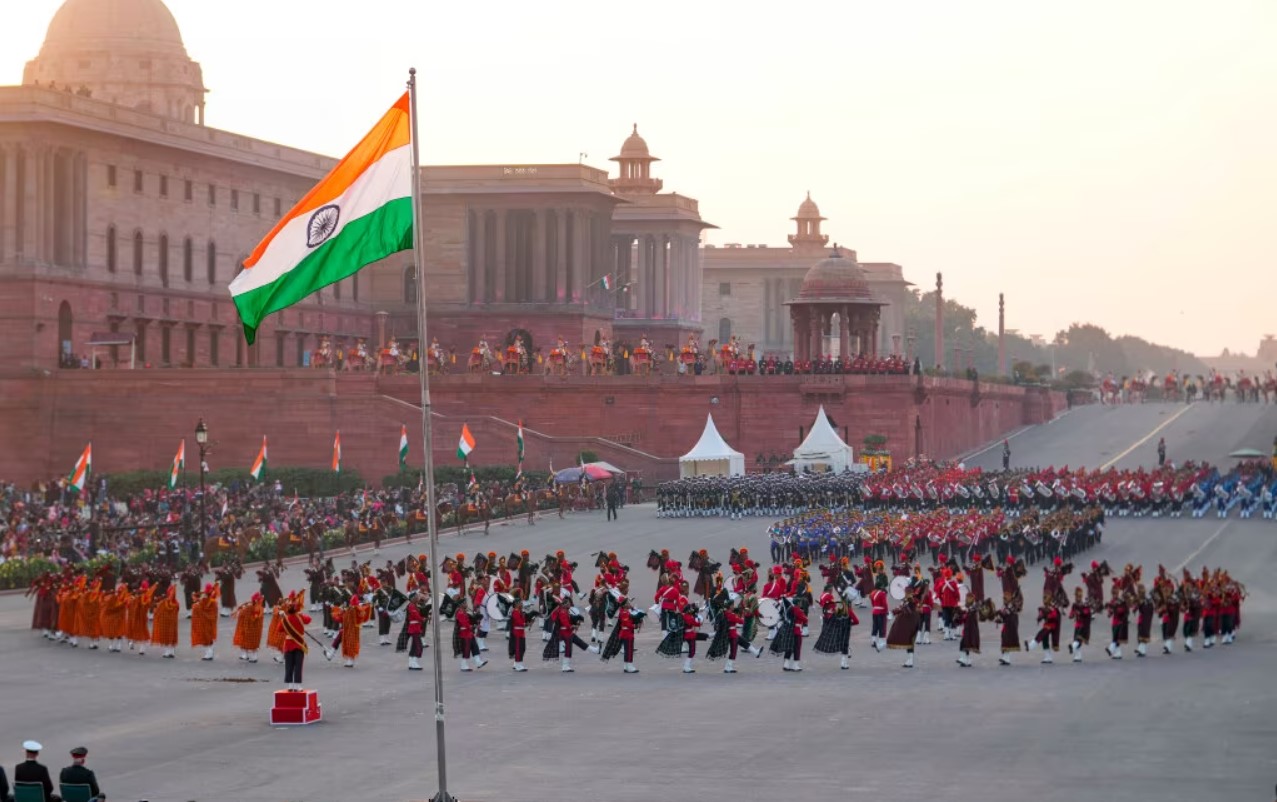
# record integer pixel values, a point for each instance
(135, 418)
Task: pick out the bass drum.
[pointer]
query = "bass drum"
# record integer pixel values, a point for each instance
(498, 606)
(768, 612)
(899, 587)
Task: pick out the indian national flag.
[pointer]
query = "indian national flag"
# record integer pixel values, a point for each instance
(337, 453)
(179, 462)
(403, 446)
(259, 464)
(83, 467)
(466, 444)
(519, 436)
(608, 282)
(357, 214)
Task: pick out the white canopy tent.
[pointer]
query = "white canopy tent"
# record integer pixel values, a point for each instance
(711, 456)
(823, 449)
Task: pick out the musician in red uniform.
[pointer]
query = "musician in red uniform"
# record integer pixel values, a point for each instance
(625, 631)
(774, 589)
(879, 608)
(691, 634)
(295, 648)
(463, 643)
(565, 632)
(416, 628)
(518, 642)
(794, 654)
(950, 598)
(735, 623)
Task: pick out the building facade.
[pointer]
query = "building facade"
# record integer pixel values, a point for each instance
(748, 288)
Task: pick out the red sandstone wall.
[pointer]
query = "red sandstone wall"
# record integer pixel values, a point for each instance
(135, 418)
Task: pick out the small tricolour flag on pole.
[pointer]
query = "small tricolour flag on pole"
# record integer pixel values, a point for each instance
(259, 464)
(403, 446)
(519, 437)
(337, 453)
(179, 462)
(83, 467)
(357, 214)
(466, 444)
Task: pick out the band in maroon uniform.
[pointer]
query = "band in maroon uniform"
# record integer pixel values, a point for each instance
(904, 629)
(517, 645)
(415, 628)
(1168, 611)
(1119, 619)
(1009, 618)
(1081, 612)
(295, 647)
(1144, 613)
(969, 619)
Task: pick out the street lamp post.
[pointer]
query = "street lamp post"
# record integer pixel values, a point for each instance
(201, 439)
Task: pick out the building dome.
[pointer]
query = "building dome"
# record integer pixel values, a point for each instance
(807, 210)
(114, 25)
(835, 278)
(635, 147)
(126, 52)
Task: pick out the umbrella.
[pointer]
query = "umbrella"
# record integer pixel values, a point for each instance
(607, 466)
(1247, 453)
(592, 472)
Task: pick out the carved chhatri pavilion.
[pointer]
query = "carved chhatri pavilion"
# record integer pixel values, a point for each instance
(834, 289)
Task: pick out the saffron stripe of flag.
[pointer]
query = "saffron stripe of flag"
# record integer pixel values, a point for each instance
(337, 453)
(83, 467)
(466, 444)
(259, 464)
(357, 214)
(403, 446)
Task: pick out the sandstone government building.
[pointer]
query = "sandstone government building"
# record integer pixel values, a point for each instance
(123, 218)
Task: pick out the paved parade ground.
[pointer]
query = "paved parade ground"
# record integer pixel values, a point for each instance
(1184, 727)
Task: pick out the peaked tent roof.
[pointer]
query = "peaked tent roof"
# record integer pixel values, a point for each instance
(710, 446)
(822, 440)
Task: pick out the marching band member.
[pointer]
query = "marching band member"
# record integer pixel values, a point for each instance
(416, 628)
(295, 647)
(204, 621)
(1119, 618)
(1009, 618)
(621, 641)
(837, 619)
(794, 649)
(463, 641)
(1169, 612)
(248, 628)
(1081, 613)
(565, 636)
(969, 618)
(275, 633)
(904, 629)
(878, 610)
(1144, 612)
(164, 627)
(775, 590)
(352, 618)
(691, 634)
(518, 641)
(1048, 637)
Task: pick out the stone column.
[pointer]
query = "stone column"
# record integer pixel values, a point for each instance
(815, 326)
(8, 180)
(500, 275)
(895, 345)
(580, 254)
(479, 270)
(844, 331)
(561, 256)
(27, 241)
(1002, 337)
(538, 257)
(796, 324)
(939, 321)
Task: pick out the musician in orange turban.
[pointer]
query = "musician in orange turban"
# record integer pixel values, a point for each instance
(164, 628)
(248, 628)
(139, 609)
(114, 607)
(204, 621)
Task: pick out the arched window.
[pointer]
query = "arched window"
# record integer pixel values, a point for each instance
(410, 285)
(110, 249)
(164, 259)
(137, 253)
(188, 260)
(212, 262)
(724, 329)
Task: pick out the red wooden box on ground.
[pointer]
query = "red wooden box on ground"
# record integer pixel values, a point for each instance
(295, 708)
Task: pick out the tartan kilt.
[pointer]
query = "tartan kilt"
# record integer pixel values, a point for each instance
(613, 646)
(672, 644)
(835, 635)
(719, 647)
(784, 640)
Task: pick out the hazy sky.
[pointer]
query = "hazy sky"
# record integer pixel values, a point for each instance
(1096, 161)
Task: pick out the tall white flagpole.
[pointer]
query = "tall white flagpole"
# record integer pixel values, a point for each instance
(428, 477)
